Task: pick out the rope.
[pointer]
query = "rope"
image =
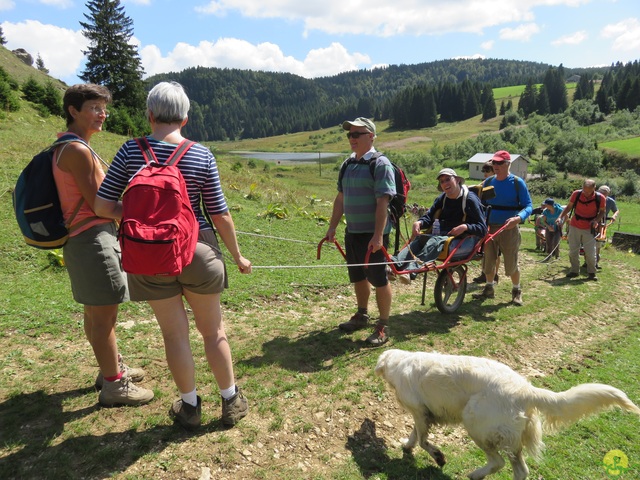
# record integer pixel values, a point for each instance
(341, 265)
(278, 238)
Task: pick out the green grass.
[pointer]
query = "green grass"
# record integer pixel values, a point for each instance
(630, 146)
(317, 411)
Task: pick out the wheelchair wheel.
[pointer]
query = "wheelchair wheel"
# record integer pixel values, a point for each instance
(450, 288)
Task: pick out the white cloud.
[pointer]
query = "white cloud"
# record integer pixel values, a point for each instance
(58, 3)
(7, 5)
(234, 53)
(384, 18)
(575, 38)
(60, 48)
(488, 45)
(522, 33)
(625, 35)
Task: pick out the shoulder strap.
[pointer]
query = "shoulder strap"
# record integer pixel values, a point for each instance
(179, 152)
(465, 194)
(147, 151)
(373, 162)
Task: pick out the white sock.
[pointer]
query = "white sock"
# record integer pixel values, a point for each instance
(227, 393)
(191, 398)
(516, 287)
(490, 283)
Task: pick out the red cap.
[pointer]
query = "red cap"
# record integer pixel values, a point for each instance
(501, 156)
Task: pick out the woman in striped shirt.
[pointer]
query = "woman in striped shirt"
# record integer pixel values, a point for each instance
(203, 280)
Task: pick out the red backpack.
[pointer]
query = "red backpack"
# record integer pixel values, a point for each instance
(159, 231)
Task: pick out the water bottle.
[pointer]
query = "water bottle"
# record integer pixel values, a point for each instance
(435, 229)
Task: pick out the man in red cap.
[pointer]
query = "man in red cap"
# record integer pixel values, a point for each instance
(510, 207)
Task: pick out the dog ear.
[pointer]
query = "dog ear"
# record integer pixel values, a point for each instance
(382, 364)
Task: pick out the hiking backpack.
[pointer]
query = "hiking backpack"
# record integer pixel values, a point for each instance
(398, 203)
(158, 231)
(36, 203)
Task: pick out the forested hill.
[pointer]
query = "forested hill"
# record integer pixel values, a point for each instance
(231, 103)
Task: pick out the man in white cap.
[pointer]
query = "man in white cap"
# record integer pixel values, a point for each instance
(510, 207)
(363, 197)
(459, 213)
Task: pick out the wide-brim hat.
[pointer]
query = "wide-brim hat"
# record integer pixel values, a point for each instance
(452, 173)
(360, 122)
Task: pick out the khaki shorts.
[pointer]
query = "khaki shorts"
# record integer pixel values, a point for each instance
(507, 243)
(92, 259)
(206, 274)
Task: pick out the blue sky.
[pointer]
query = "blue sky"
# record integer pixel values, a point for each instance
(326, 37)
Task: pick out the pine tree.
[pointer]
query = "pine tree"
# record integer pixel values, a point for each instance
(3, 40)
(111, 60)
(40, 65)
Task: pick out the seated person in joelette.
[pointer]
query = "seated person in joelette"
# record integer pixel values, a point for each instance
(461, 215)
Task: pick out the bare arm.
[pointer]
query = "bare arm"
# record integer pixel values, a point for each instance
(382, 204)
(226, 228)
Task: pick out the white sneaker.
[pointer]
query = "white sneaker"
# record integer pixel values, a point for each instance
(123, 392)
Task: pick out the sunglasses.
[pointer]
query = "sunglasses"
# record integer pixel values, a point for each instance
(487, 170)
(357, 135)
(497, 163)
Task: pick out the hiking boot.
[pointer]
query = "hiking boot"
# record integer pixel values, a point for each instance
(482, 278)
(135, 374)
(391, 276)
(186, 415)
(516, 296)
(234, 409)
(356, 322)
(572, 275)
(380, 335)
(487, 292)
(592, 277)
(123, 392)
(404, 279)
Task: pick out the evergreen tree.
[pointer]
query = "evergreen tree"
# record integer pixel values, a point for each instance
(503, 108)
(556, 89)
(542, 105)
(111, 60)
(40, 65)
(3, 40)
(528, 99)
(489, 104)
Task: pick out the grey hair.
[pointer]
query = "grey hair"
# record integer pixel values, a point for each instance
(168, 103)
(589, 183)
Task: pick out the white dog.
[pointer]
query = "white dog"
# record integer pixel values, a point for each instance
(499, 408)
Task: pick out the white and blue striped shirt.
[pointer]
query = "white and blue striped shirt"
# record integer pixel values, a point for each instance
(198, 167)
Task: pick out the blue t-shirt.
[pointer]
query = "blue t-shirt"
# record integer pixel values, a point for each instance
(509, 201)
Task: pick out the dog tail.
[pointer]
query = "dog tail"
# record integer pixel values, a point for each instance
(564, 408)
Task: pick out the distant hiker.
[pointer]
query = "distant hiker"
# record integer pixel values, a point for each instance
(511, 206)
(91, 253)
(553, 231)
(487, 171)
(364, 200)
(588, 207)
(610, 207)
(200, 282)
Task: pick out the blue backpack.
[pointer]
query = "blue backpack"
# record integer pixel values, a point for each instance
(36, 203)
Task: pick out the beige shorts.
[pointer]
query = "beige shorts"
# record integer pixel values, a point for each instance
(92, 259)
(507, 243)
(206, 274)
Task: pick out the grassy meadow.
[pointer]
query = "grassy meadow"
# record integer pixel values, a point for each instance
(316, 409)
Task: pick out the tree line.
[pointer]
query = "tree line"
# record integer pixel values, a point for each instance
(235, 104)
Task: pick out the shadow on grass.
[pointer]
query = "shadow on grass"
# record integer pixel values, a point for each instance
(316, 350)
(41, 441)
(370, 454)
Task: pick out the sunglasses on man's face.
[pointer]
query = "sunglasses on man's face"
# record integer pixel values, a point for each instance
(494, 163)
(357, 135)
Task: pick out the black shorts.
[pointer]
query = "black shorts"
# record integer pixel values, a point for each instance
(356, 246)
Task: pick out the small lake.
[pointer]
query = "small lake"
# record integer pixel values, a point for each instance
(285, 158)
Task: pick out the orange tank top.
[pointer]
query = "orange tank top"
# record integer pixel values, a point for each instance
(70, 196)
